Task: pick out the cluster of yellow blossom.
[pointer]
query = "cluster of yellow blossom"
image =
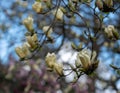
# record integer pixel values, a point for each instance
(26, 49)
(32, 40)
(86, 61)
(53, 65)
(23, 51)
(38, 7)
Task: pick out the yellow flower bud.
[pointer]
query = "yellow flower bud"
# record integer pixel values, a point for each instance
(99, 4)
(105, 5)
(35, 38)
(37, 7)
(59, 14)
(77, 63)
(59, 69)
(26, 50)
(31, 42)
(28, 22)
(74, 46)
(93, 56)
(85, 60)
(20, 52)
(88, 61)
(46, 31)
(109, 3)
(50, 60)
(80, 46)
(111, 32)
(63, 9)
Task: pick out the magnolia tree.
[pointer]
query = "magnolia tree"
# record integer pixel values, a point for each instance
(91, 26)
(64, 15)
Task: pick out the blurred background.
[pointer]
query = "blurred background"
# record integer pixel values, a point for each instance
(32, 76)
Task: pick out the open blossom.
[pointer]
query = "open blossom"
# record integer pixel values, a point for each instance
(83, 57)
(87, 61)
(28, 22)
(37, 7)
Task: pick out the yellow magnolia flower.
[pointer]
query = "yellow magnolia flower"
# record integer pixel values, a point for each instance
(58, 68)
(25, 49)
(28, 22)
(109, 3)
(46, 31)
(20, 52)
(35, 38)
(105, 5)
(53, 65)
(59, 14)
(111, 32)
(37, 7)
(86, 60)
(83, 57)
(32, 41)
(99, 4)
(50, 60)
